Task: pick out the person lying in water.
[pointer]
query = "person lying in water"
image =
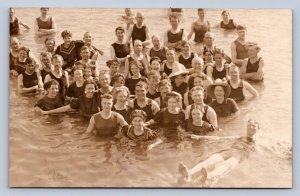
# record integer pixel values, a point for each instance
(221, 163)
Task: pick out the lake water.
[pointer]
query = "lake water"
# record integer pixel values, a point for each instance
(46, 151)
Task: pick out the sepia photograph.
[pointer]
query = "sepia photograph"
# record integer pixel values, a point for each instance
(150, 98)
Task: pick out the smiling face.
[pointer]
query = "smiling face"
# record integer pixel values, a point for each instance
(67, 39)
(196, 115)
(155, 65)
(122, 97)
(23, 55)
(50, 45)
(135, 70)
(78, 75)
(106, 104)
(198, 81)
(219, 92)
(46, 60)
(104, 80)
(172, 103)
(170, 55)
(140, 92)
(88, 38)
(252, 128)
(218, 58)
(119, 82)
(89, 90)
(137, 122)
(30, 68)
(197, 96)
(53, 91)
(197, 65)
(85, 54)
(252, 52)
(57, 63)
(234, 73)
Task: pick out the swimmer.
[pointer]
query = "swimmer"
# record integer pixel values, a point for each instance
(121, 97)
(199, 27)
(221, 163)
(120, 50)
(226, 23)
(128, 18)
(45, 25)
(220, 69)
(15, 22)
(186, 55)
(158, 50)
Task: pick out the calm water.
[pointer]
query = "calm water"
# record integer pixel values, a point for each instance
(48, 151)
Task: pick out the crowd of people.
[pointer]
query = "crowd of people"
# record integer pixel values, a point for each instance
(149, 84)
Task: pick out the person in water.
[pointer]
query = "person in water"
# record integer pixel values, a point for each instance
(239, 47)
(15, 22)
(45, 25)
(227, 23)
(221, 163)
(199, 27)
(252, 67)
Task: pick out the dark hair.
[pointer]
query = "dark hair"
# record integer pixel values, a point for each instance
(218, 51)
(142, 84)
(116, 77)
(138, 113)
(114, 61)
(27, 50)
(173, 94)
(153, 73)
(84, 48)
(241, 27)
(184, 42)
(155, 58)
(29, 61)
(89, 82)
(192, 80)
(45, 8)
(200, 9)
(106, 96)
(66, 33)
(119, 29)
(48, 84)
(224, 12)
(49, 39)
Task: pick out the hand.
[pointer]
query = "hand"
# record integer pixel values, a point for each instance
(195, 137)
(14, 72)
(44, 112)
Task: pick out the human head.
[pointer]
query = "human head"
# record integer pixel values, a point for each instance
(252, 128)
(218, 55)
(14, 44)
(137, 118)
(120, 31)
(106, 102)
(121, 94)
(139, 17)
(156, 41)
(104, 79)
(241, 31)
(201, 13)
(208, 56)
(197, 64)
(44, 10)
(29, 66)
(208, 38)
(57, 61)
(87, 72)
(23, 52)
(67, 36)
(197, 95)
(141, 89)
(137, 46)
(78, 74)
(170, 55)
(186, 47)
(225, 15)
(52, 88)
(11, 12)
(88, 38)
(234, 73)
(127, 11)
(153, 79)
(219, 90)
(135, 68)
(85, 52)
(195, 81)
(89, 87)
(118, 80)
(197, 113)
(253, 50)
(50, 44)
(155, 63)
(165, 87)
(45, 58)
(174, 20)
(173, 100)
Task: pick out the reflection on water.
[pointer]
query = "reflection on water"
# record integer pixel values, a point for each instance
(50, 150)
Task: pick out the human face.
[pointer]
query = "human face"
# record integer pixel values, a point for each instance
(22, 54)
(89, 90)
(57, 63)
(252, 52)
(196, 64)
(104, 80)
(50, 45)
(153, 81)
(156, 42)
(122, 97)
(208, 57)
(208, 39)
(88, 38)
(106, 104)
(15, 44)
(241, 33)
(120, 34)
(44, 11)
(138, 46)
(164, 90)
(11, 12)
(186, 48)
(234, 74)
(218, 58)
(119, 82)
(137, 122)
(170, 55)
(180, 79)
(87, 73)
(201, 14)
(197, 97)
(198, 81)
(53, 91)
(127, 11)
(174, 22)
(30, 68)
(139, 19)
(114, 69)
(78, 75)
(67, 40)
(219, 92)
(225, 16)
(252, 128)
(196, 115)
(85, 54)
(135, 70)
(46, 61)
(155, 65)
(172, 103)
(140, 92)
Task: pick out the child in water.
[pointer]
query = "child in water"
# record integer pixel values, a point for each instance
(138, 132)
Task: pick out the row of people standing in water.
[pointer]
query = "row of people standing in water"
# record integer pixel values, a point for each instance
(161, 85)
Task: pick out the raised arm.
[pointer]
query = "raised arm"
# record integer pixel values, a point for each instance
(24, 25)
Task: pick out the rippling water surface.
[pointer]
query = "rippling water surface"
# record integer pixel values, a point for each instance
(47, 150)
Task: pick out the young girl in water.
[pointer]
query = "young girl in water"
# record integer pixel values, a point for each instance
(52, 100)
(138, 132)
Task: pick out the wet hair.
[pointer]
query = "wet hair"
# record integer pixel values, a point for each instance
(29, 61)
(84, 48)
(114, 61)
(153, 36)
(89, 82)
(241, 27)
(153, 73)
(50, 39)
(45, 54)
(118, 90)
(174, 95)
(106, 96)
(27, 50)
(200, 9)
(120, 29)
(44, 8)
(184, 42)
(141, 84)
(192, 81)
(48, 84)
(155, 58)
(66, 33)
(56, 57)
(138, 113)
(225, 12)
(116, 77)
(197, 88)
(167, 50)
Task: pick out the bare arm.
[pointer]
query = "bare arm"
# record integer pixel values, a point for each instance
(24, 25)
(129, 33)
(147, 41)
(209, 72)
(155, 108)
(126, 68)
(22, 89)
(157, 142)
(198, 137)
(50, 31)
(236, 61)
(58, 110)
(250, 89)
(91, 126)
(189, 36)
(212, 117)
